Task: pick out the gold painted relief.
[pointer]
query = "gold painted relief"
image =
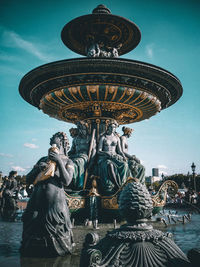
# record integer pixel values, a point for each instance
(115, 92)
(125, 90)
(75, 203)
(79, 90)
(66, 96)
(73, 90)
(123, 112)
(106, 93)
(88, 91)
(109, 203)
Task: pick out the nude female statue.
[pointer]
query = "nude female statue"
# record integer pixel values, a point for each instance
(136, 168)
(46, 220)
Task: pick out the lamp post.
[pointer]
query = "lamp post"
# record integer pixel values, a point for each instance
(193, 167)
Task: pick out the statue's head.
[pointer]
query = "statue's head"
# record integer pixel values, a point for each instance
(127, 131)
(112, 126)
(135, 202)
(82, 128)
(73, 132)
(61, 140)
(12, 174)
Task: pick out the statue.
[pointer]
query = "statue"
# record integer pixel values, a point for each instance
(81, 146)
(9, 191)
(112, 164)
(46, 220)
(136, 168)
(101, 50)
(93, 50)
(135, 243)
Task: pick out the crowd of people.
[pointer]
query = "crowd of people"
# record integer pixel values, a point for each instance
(11, 191)
(185, 196)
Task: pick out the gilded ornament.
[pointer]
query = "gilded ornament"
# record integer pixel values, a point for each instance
(74, 90)
(59, 93)
(112, 89)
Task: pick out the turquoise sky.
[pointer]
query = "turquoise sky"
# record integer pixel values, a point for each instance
(30, 36)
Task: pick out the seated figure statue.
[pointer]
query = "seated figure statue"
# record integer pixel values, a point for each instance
(46, 220)
(112, 164)
(79, 154)
(136, 168)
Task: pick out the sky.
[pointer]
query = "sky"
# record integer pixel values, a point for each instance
(30, 37)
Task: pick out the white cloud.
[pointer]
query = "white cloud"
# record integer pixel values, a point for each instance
(12, 39)
(33, 146)
(149, 50)
(6, 155)
(33, 139)
(18, 168)
(6, 57)
(162, 167)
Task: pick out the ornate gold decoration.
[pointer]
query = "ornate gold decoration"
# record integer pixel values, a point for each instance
(68, 104)
(130, 91)
(106, 93)
(96, 110)
(109, 203)
(112, 89)
(93, 88)
(169, 187)
(75, 202)
(74, 90)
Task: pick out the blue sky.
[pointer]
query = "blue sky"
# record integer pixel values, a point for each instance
(30, 37)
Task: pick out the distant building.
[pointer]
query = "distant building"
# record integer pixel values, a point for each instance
(154, 178)
(155, 172)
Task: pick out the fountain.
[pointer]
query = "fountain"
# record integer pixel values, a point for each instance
(98, 93)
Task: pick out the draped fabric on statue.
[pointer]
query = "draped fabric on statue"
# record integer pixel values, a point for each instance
(46, 220)
(106, 166)
(137, 170)
(80, 162)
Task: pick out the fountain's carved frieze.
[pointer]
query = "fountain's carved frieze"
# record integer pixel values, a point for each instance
(124, 104)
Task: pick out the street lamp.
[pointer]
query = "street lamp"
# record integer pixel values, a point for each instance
(193, 167)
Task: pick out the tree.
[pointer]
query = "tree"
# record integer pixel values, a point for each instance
(185, 179)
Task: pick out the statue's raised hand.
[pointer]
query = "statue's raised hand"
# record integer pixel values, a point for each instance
(54, 156)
